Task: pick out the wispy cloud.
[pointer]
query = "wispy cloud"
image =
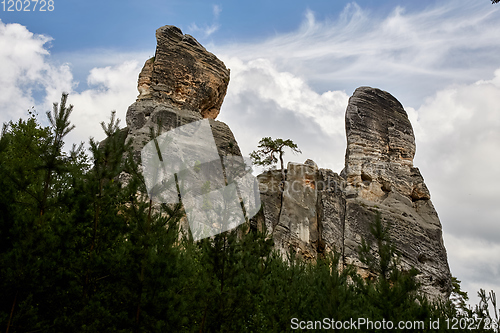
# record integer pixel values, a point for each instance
(208, 29)
(205, 30)
(411, 53)
(217, 9)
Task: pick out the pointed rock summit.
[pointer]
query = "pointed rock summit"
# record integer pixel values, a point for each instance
(380, 145)
(181, 84)
(184, 74)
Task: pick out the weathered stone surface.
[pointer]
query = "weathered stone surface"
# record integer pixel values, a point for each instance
(183, 83)
(380, 144)
(319, 211)
(184, 74)
(298, 223)
(270, 197)
(331, 211)
(380, 177)
(146, 114)
(307, 211)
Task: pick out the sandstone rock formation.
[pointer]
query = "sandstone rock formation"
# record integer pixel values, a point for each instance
(182, 83)
(182, 73)
(316, 210)
(320, 211)
(380, 176)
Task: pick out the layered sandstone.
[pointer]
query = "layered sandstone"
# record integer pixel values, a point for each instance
(184, 74)
(380, 176)
(181, 84)
(319, 211)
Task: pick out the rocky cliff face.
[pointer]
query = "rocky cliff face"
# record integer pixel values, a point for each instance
(317, 210)
(320, 211)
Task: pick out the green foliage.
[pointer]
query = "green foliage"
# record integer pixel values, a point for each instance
(83, 249)
(393, 295)
(458, 297)
(270, 150)
(383, 262)
(483, 311)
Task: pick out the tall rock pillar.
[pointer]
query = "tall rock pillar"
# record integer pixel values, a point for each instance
(380, 176)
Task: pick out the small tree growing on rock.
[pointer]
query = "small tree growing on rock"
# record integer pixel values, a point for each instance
(268, 151)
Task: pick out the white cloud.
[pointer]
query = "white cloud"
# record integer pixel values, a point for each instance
(289, 92)
(464, 120)
(411, 54)
(458, 145)
(111, 88)
(263, 101)
(26, 70)
(476, 264)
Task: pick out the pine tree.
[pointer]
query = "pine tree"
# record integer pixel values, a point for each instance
(269, 148)
(35, 172)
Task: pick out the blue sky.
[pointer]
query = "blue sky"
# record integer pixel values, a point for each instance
(294, 65)
(124, 25)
